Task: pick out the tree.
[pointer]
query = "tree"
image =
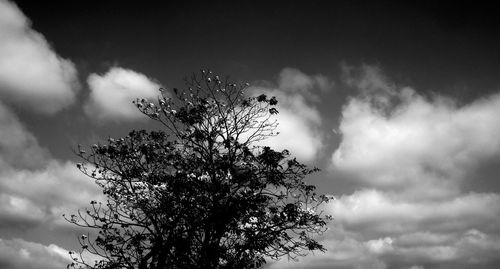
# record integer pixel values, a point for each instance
(200, 193)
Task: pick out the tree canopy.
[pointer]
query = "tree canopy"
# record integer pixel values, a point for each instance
(201, 192)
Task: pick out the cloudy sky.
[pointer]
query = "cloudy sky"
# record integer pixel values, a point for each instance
(398, 104)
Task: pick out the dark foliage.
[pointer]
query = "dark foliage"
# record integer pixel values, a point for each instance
(199, 194)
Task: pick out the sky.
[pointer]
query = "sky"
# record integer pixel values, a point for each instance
(397, 103)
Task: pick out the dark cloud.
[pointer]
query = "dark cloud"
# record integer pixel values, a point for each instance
(18, 147)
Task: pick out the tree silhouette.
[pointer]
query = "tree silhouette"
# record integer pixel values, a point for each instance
(200, 193)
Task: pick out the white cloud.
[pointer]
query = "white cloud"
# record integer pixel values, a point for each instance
(371, 229)
(299, 120)
(18, 253)
(410, 154)
(33, 186)
(469, 248)
(377, 214)
(35, 190)
(32, 75)
(343, 251)
(111, 94)
(31, 197)
(400, 140)
(298, 126)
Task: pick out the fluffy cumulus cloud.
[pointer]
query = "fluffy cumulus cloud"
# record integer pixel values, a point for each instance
(35, 190)
(298, 120)
(32, 75)
(397, 139)
(411, 155)
(30, 198)
(111, 94)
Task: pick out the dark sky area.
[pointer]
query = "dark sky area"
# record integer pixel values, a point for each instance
(450, 44)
